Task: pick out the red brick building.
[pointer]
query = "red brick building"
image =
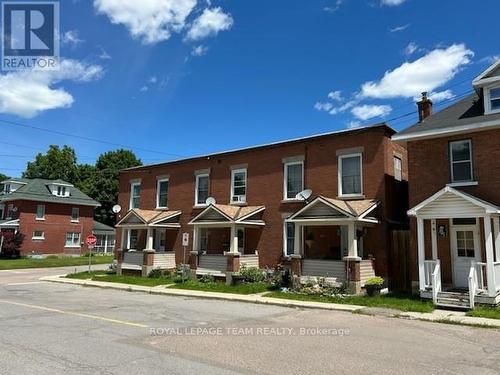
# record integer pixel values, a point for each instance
(53, 215)
(454, 180)
(244, 207)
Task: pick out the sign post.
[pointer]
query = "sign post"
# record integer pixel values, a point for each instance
(90, 241)
(185, 244)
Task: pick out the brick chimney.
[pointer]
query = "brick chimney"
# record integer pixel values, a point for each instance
(424, 107)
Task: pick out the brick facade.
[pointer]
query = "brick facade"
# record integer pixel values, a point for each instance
(265, 176)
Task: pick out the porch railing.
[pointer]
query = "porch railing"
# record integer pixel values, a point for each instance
(164, 260)
(249, 261)
(482, 281)
(436, 281)
(496, 267)
(133, 260)
(429, 266)
(473, 284)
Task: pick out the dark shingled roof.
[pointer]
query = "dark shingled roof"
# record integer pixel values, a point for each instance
(100, 227)
(467, 111)
(37, 190)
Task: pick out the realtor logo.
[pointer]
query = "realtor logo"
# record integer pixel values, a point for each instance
(30, 35)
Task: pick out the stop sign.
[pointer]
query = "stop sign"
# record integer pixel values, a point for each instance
(91, 240)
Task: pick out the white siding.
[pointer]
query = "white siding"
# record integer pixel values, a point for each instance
(164, 261)
(132, 260)
(324, 268)
(319, 210)
(212, 264)
(366, 270)
(249, 261)
(449, 205)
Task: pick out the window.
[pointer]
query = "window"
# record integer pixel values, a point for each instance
(464, 221)
(238, 186)
(294, 179)
(289, 238)
(72, 239)
(161, 194)
(75, 214)
(6, 188)
(40, 212)
(465, 243)
(461, 161)
(350, 175)
(2, 209)
(61, 191)
(10, 211)
(135, 195)
(495, 99)
(202, 190)
(203, 240)
(398, 168)
(133, 236)
(38, 235)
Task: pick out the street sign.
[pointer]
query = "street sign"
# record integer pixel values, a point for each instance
(91, 240)
(185, 239)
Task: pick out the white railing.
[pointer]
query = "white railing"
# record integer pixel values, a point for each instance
(249, 261)
(473, 283)
(482, 280)
(429, 266)
(496, 267)
(436, 281)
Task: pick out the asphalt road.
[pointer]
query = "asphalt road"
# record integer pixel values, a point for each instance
(63, 329)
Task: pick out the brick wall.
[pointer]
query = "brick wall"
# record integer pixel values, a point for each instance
(265, 185)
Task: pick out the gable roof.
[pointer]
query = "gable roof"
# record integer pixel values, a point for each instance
(226, 213)
(148, 217)
(466, 115)
(492, 72)
(100, 227)
(37, 189)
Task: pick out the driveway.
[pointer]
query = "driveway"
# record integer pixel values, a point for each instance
(65, 329)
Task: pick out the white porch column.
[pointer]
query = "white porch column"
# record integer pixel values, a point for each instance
(421, 253)
(496, 231)
(490, 270)
(105, 244)
(352, 241)
(434, 240)
(297, 240)
(150, 239)
(124, 239)
(233, 240)
(196, 238)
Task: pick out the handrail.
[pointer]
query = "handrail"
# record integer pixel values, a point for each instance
(472, 284)
(429, 266)
(436, 280)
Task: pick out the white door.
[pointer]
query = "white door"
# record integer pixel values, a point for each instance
(465, 248)
(161, 239)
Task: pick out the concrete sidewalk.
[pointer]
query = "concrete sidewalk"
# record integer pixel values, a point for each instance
(439, 316)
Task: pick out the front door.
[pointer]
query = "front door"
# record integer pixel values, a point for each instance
(465, 248)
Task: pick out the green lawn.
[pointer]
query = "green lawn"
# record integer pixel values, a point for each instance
(399, 301)
(10, 264)
(485, 312)
(220, 287)
(113, 278)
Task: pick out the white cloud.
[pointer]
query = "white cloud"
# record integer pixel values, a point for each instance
(400, 28)
(71, 38)
(28, 93)
(151, 21)
(209, 23)
(323, 107)
(425, 74)
(367, 111)
(104, 55)
(153, 79)
(490, 60)
(199, 50)
(410, 49)
(439, 96)
(144, 88)
(335, 95)
(344, 107)
(353, 124)
(333, 8)
(391, 3)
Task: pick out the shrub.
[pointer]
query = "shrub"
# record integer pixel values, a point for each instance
(159, 273)
(11, 244)
(252, 274)
(375, 281)
(207, 278)
(277, 277)
(320, 286)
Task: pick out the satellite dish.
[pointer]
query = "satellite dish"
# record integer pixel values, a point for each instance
(117, 208)
(210, 200)
(304, 195)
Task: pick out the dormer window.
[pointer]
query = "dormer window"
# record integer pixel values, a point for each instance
(6, 189)
(61, 191)
(494, 100)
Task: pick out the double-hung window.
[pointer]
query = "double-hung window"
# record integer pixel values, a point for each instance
(135, 195)
(289, 239)
(133, 237)
(461, 169)
(350, 175)
(238, 186)
(161, 193)
(38, 235)
(40, 212)
(398, 168)
(294, 179)
(202, 189)
(61, 191)
(75, 214)
(495, 99)
(72, 239)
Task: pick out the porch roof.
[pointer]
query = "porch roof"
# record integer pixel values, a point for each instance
(150, 218)
(226, 214)
(452, 203)
(330, 209)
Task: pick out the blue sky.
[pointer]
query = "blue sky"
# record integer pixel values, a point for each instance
(187, 77)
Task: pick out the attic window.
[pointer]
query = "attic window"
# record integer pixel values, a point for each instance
(61, 191)
(6, 188)
(495, 99)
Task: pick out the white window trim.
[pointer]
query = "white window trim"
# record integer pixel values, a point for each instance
(461, 183)
(77, 220)
(132, 184)
(73, 238)
(233, 173)
(158, 182)
(487, 100)
(285, 180)
(346, 156)
(400, 171)
(2, 209)
(36, 214)
(38, 238)
(198, 176)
